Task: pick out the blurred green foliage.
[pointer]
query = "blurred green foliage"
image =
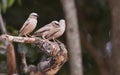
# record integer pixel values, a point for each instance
(5, 4)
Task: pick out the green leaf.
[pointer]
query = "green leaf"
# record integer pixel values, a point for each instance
(10, 2)
(4, 5)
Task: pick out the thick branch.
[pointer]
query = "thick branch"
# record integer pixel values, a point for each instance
(45, 45)
(51, 64)
(18, 39)
(56, 54)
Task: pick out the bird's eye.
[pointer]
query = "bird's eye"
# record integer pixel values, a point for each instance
(57, 24)
(36, 15)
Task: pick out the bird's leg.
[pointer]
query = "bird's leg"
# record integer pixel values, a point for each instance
(29, 35)
(53, 39)
(26, 35)
(43, 37)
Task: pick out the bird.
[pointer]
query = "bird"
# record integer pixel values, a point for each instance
(29, 25)
(52, 30)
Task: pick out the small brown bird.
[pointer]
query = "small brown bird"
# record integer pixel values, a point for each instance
(29, 25)
(52, 30)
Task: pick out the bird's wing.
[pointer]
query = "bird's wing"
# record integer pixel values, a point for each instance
(53, 32)
(43, 29)
(24, 25)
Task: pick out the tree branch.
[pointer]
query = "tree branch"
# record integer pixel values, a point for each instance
(56, 54)
(18, 39)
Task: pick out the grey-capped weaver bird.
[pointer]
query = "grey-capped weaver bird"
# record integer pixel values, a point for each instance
(52, 30)
(29, 25)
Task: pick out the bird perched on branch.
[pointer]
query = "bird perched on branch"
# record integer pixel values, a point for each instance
(29, 25)
(52, 30)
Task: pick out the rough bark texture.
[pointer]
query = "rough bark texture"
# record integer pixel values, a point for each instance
(73, 39)
(11, 60)
(115, 9)
(55, 55)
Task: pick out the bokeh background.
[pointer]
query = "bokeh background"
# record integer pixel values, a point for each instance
(94, 20)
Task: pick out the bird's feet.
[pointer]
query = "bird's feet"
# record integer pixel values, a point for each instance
(28, 35)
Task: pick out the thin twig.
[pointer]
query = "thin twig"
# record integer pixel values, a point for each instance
(3, 28)
(2, 25)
